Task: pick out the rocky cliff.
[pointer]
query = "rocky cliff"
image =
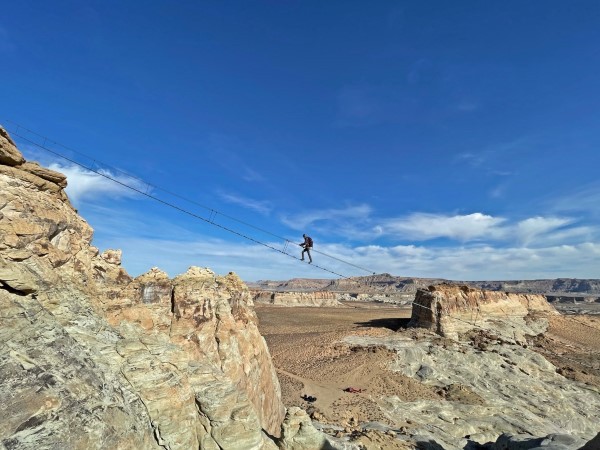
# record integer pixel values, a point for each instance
(451, 309)
(315, 298)
(91, 358)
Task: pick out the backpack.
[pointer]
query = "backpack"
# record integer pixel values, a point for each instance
(310, 241)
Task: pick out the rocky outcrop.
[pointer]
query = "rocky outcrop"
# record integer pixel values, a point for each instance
(451, 309)
(9, 155)
(55, 394)
(91, 358)
(316, 298)
(498, 385)
(300, 433)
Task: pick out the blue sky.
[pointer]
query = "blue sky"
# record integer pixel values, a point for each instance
(434, 139)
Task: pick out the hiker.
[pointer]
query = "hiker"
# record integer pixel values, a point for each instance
(307, 244)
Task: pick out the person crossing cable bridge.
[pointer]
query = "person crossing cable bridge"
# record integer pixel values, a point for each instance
(307, 244)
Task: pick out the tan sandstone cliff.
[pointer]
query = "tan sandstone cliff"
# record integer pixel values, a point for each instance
(315, 298)
(91, 358)
(452, 309)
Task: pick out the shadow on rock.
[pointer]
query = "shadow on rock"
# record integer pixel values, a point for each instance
(391, 323)
(429, 445)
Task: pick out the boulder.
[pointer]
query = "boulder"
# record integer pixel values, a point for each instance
(46, 174)
(9, 155)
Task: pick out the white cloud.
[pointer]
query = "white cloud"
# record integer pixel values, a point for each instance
(174, 245)
(585, 199)
(500, 159)
(262, 207)
(498, 191)
(334, 217)
(253, 262)
(473, 159)
(529, 229)
(482, 262)
(251, 175)
(227, 152)
(84, 185)
(422, 226)
(356, 223)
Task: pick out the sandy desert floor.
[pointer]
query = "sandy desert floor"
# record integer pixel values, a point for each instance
(305, 346)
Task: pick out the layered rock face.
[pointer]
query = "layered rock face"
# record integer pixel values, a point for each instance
(452, 309)
(91, 358)
(316, 298)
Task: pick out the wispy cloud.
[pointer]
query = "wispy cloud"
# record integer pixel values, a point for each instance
(498, 191)
(585, 199)
(225, 151)
(529, 230)
(86, 186)
(536, 247)
(473, 159)
(33, 153)
(327, 218)
(260, 206)
(499, 159)
(251, 175)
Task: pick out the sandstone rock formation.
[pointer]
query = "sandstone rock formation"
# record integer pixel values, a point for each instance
(315, 298)
(451, 309)
(300, 433)
(500, 384)
(91, 358)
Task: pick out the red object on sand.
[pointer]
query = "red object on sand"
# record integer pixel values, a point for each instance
(353, 390)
